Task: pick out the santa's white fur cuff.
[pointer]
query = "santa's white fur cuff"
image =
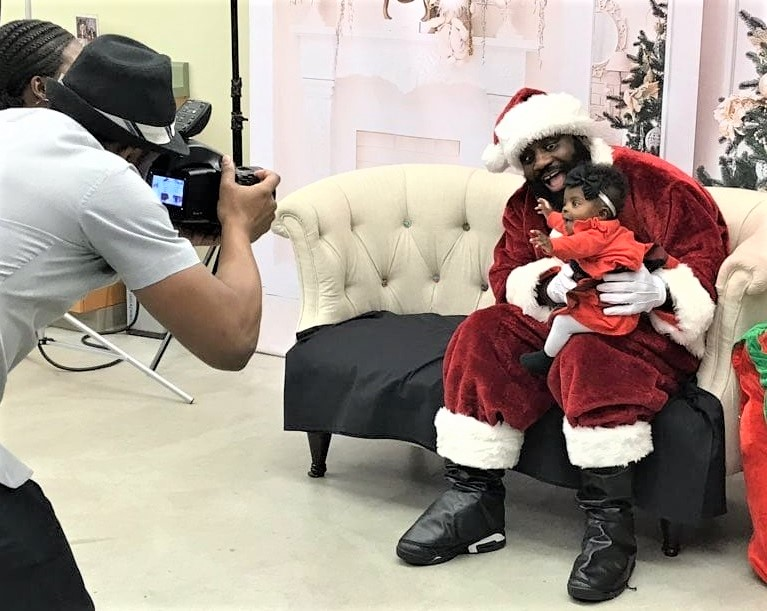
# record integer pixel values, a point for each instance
(471, 443)
(693, 307)
(600, 446)
(522, 283)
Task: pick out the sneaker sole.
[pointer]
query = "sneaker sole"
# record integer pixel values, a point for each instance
(417, 557)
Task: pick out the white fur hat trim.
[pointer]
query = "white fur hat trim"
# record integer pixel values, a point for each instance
(538, 117)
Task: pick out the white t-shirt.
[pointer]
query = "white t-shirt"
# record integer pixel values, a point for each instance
(73, 218)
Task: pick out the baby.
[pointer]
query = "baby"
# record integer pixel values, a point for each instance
(594, 242)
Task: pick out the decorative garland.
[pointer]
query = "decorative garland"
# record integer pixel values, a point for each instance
(450, 19)
(453, 25)
(455, 18)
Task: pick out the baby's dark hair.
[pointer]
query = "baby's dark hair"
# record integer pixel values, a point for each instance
(594, 178)
(28, 48)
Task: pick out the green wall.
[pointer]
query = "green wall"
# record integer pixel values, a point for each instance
(193, 31)
(11, 9)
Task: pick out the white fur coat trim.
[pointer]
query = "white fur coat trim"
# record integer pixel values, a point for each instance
(601, 446)
(471, 443)
(601, 152)
(521, 287)
(538, 117)
(693, 307)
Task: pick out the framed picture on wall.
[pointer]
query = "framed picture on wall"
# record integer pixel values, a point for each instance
(86, 28)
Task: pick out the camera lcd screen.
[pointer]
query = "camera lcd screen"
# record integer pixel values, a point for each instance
(169, 190)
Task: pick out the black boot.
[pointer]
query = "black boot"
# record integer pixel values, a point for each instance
(467, 519)
(603, 568)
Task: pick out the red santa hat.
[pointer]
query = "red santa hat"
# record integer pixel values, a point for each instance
(532, 114)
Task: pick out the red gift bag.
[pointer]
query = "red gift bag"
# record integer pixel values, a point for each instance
(749, 358)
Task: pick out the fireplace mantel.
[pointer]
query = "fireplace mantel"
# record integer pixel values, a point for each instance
(411, 59)
(407, 59)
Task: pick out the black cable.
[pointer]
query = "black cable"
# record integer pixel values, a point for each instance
(43, 341)
(47, 340)
(84, 339)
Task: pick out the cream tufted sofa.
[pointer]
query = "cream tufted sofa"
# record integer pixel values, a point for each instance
(407, 238)
(419, 238)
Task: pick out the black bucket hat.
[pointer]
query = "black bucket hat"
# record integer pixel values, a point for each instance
(121, 90)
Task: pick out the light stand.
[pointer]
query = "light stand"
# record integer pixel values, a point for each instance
(236, 89)
(237, 119)
(126, 357)
(108, 348)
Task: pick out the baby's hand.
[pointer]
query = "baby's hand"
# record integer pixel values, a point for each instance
(543, 207)
(541, 241)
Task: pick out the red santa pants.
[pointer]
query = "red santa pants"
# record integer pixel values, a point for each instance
(604, 384)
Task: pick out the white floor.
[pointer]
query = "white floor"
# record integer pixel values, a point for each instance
(208, 506)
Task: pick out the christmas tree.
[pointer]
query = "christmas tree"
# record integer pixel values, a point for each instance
(639, 108)
(742, 121)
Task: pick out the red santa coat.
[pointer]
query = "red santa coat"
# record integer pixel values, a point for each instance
(490, 399)
(598, 247)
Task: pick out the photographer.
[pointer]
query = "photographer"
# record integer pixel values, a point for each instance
(75, 214)
(30, 51)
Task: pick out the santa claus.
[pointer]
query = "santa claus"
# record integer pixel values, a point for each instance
(609, 387)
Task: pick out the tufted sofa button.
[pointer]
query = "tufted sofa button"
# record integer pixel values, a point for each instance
(407, 223)
(484, 287)
(435, 277)
(466, 226)
(384, 281)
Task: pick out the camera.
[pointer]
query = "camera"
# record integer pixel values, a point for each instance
(188, 186)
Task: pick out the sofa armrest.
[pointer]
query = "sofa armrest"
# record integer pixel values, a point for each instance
(322, 280)
(742, 303)
(749, 258)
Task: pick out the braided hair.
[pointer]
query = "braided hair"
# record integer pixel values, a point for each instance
(28, 48)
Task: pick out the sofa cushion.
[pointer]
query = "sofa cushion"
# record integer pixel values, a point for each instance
(378, 375)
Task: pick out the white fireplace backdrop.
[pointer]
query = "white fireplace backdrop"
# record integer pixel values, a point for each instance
(327, 99)
(410, 93)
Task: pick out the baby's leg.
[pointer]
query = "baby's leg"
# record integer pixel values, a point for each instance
(562, 328)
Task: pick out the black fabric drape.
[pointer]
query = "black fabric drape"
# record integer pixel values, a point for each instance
(379, 375)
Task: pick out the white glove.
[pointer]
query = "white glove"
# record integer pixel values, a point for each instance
(632, 292)
(560, 284)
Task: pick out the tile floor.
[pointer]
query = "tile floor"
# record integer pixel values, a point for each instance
(170, 506)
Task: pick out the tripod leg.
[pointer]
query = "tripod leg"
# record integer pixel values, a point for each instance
(163, 347)
(127, 357)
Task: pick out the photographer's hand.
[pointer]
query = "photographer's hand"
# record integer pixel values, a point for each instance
(247, 207)
(223, 326)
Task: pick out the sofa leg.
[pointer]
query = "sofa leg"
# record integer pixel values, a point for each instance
(671, 532)
(319, 444)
